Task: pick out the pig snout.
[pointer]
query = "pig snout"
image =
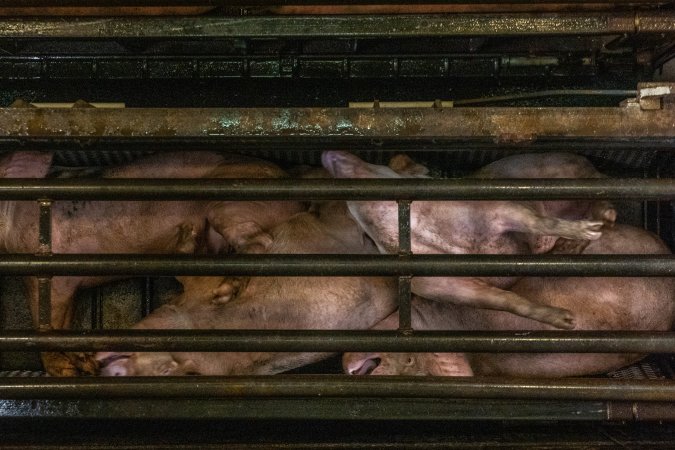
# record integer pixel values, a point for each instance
(360, 363)
(113, 364)
(144, 364)
(411, 364)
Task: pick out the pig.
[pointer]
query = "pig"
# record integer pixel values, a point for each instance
(135, 227)
(466, 227)
(626, 303)
(269, 303)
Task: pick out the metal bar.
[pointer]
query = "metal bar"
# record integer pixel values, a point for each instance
(339, 386)
(45, 249)
(404, 281)
(341, 125)
(44, 303)
(308, 408)
(350, 26)
(341, 341)
(338, 189)
(339, 265)
(111, 3)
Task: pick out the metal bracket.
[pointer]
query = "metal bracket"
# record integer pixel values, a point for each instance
(656, 95)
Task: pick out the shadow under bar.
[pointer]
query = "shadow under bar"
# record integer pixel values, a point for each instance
(338, 386)
(341, 341)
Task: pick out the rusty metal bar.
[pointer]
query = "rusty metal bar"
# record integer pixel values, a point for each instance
(339, 265)
(341, 341)
(495, 24)
(404, 281)
(340, 125)
(338, 386)
(338, 189)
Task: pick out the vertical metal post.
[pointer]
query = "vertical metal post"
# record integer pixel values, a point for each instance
(146, 296)
(404, 249)
(45, 248)
(97, 309)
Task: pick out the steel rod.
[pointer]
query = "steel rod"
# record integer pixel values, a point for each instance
(339, 265)
(135, 3)
(496, 24)
(45, 249)
(339, 386)
(338, 189)
(338, 126)
(341, 341)
(404, 281)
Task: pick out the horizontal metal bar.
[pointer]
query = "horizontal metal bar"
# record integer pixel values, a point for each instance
(340, 265)
(337, 189)
(510, 24)
(338, 386)
(340, 126)
(111, 3)
(310, 408)
(341, 341)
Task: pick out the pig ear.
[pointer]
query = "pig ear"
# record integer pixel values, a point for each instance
(448, 365)
(25, 165)
(188, 368)
(167, 368)
(403, 165)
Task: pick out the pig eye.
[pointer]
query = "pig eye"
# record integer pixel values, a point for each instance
(410, 361)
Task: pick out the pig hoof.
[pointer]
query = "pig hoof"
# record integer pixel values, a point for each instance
(561, 318)
(591, 229)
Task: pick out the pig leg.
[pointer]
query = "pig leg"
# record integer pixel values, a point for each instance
(61, 364)
(476, 293)
(519, 217)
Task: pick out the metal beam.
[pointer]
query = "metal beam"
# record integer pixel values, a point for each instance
(338, 386)
(511, 24)
(339, 265)
(341, 341)
(339, 126)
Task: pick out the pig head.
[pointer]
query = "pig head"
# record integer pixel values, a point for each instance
(270, 303)
(625, 303)
(137, 226)
(464, 227)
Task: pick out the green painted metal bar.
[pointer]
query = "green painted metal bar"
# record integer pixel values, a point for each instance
(341, 341)
(307, 408)
(338, 386)
(339, 265)
(337, 189)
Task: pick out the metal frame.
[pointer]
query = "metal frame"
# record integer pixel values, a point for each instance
(30, 125)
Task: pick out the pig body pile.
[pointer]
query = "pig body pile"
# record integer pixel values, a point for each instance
(470, 227)
(271, 303)
(135, 227)
(624, 303)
